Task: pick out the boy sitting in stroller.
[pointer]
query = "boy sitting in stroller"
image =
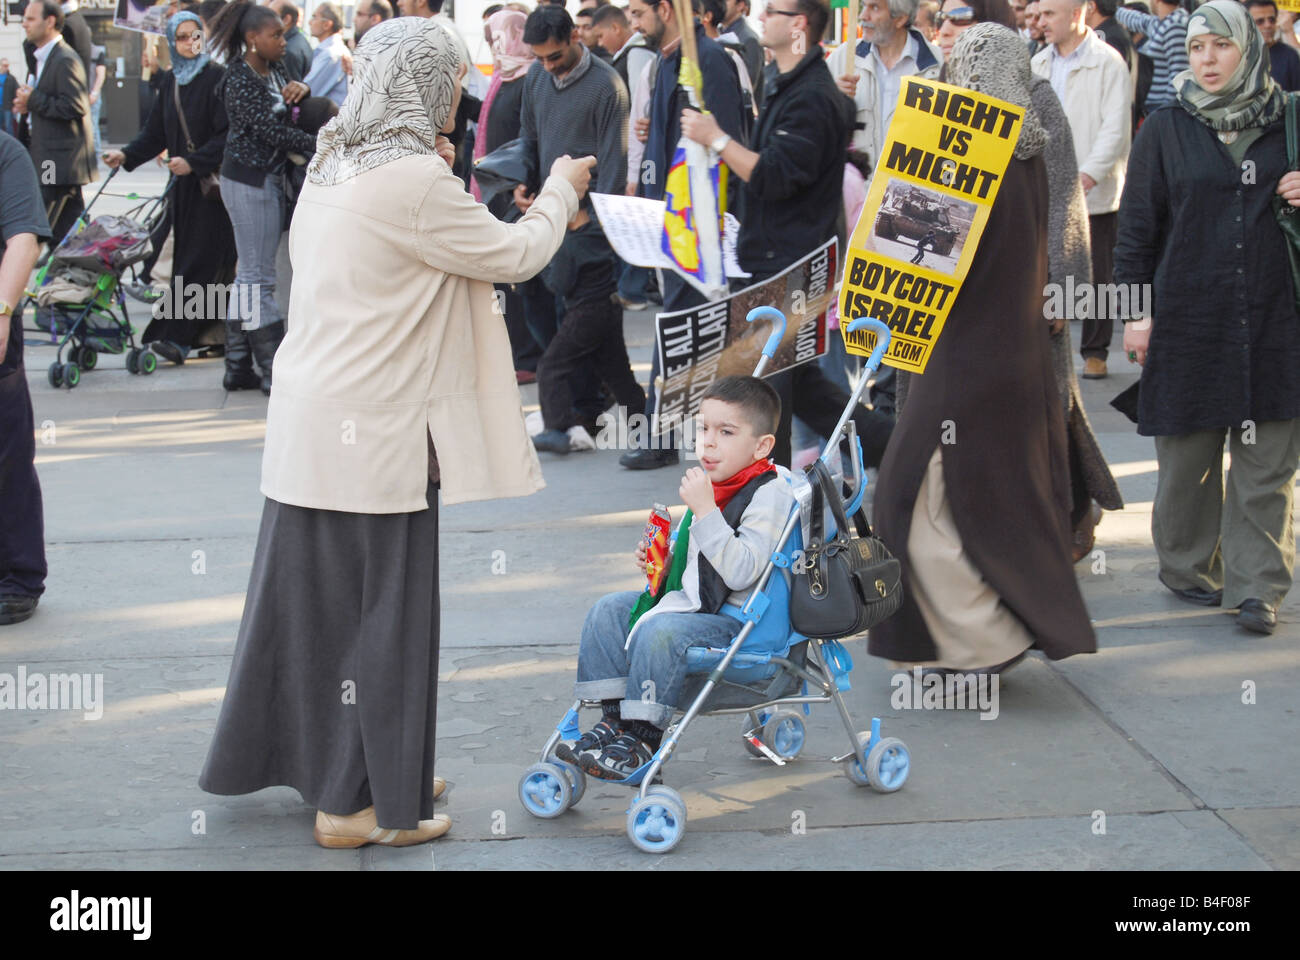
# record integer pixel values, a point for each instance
(633, 659)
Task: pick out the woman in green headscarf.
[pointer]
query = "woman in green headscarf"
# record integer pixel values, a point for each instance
(1217, 337)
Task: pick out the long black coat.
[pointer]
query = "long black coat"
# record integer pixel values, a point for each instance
(204, 243)
(990, 386)
(1225, 341)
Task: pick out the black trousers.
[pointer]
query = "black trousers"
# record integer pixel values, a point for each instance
(543, 312)
(22, 520)
(1103, 229)
(590, 338)
(63, 204)
(524, 348)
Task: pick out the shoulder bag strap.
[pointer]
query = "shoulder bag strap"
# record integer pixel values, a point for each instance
(816, 524)
(180, 112)
(1292, 133)
(826, 484)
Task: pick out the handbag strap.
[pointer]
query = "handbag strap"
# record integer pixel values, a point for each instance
(816, 525)
(1292, 132)
(180, 111)
(826, 485)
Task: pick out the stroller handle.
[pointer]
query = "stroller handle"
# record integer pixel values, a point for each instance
(882, 333)
(773, 339)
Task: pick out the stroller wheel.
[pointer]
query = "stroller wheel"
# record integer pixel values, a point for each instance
(132, 360)
(87, 357)
(657, 823)
(147, 362)
(751, 722)
(784, 734)
(71, 375)
(544, 791)
(577, 779)
(852, 769)
(888, 764)
(55, 374)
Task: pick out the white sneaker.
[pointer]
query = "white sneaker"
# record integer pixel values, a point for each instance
(580, 439)
(534, 424)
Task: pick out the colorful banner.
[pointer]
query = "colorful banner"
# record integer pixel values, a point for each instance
(942, 163)
(702, 344)
(142, 16)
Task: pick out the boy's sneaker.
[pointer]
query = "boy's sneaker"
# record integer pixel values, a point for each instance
(594, 740)
(619, 760)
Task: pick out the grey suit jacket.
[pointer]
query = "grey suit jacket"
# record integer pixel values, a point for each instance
(59, 117)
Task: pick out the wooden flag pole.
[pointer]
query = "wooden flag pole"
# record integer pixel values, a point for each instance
(851, 34)
(686, 29)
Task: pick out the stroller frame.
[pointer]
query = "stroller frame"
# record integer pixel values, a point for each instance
(107, 298)
(656, 819)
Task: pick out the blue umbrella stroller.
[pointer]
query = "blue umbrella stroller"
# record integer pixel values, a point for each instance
(766, 671)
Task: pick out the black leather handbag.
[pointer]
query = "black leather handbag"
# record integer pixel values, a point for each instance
(849, 584)
(1288, 217)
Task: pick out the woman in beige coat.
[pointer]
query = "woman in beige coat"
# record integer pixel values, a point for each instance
(395, 377)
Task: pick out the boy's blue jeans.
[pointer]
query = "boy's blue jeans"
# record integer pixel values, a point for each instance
(649, 676)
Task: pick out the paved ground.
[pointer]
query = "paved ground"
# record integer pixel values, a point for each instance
(148, 480)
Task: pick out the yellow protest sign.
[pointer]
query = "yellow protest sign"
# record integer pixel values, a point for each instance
(1292, 5)
(939, 172)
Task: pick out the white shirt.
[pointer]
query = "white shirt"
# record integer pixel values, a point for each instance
(889, 80)
(1061, 69)
(43, 54)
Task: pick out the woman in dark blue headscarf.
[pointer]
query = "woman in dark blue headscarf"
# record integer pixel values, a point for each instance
(188, 122)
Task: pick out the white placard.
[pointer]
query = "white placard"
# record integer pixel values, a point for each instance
(634, 227)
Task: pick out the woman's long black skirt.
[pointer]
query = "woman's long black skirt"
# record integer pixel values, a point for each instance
(334, 686)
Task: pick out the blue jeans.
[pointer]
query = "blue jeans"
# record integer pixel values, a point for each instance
(649, 676)
(7, 123)
(257, 216)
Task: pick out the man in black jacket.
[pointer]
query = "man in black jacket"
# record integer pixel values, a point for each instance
(297, 48)
(793, 197)
(62, 145)
(734, 22)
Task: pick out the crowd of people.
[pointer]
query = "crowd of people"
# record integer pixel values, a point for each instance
(1152, 154)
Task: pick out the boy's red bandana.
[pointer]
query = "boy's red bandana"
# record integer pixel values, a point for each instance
(724, 491)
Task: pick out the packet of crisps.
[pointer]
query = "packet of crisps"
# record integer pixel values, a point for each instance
(657, 531)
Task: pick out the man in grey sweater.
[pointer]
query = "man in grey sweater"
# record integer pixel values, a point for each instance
(574, 104)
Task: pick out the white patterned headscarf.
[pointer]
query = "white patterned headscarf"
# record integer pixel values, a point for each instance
(404, 77)
(992, 59)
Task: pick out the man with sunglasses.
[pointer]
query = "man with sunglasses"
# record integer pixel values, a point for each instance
(792, 201)
(1283, 62)
(872, 70)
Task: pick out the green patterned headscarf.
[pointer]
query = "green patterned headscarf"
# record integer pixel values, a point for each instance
(1250, 98)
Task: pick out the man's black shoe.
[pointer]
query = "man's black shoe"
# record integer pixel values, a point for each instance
(16, 607)
(240, 380)
(552, 441)
(1257, 616)
(168, 351)
(648, 459)
(1206, 598)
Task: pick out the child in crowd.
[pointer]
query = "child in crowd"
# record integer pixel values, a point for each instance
(633, 659)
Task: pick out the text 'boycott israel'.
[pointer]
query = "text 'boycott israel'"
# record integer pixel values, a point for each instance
(942, 163)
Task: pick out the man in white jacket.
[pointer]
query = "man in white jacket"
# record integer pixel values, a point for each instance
(872, 71)
(1093, 85)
